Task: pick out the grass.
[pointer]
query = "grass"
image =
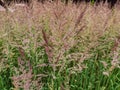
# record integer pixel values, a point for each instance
(57, 47)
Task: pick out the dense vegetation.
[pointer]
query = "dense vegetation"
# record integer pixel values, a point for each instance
(96, 2)
(52, 46)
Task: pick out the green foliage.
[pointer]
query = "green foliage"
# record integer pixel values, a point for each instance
(60, 50)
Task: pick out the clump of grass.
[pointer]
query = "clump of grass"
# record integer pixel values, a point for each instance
(55, 46)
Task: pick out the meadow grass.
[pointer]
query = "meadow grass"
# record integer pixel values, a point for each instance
(53, 46)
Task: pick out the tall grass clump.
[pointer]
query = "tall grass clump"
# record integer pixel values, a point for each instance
(53, 46)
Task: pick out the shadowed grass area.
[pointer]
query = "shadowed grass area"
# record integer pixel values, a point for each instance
(56, 47)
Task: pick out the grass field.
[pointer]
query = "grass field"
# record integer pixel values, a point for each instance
(52, 46)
